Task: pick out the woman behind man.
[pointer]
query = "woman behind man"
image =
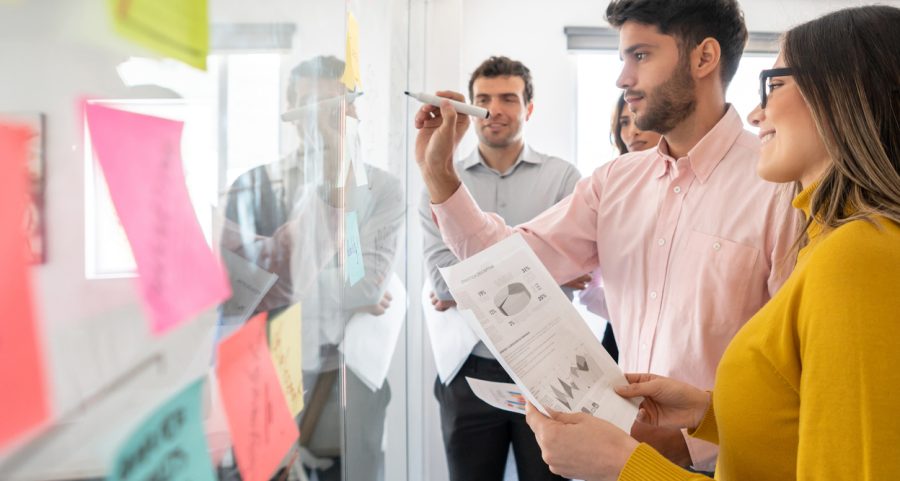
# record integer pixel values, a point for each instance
(626, 137)
(625, 134)
(805, 389)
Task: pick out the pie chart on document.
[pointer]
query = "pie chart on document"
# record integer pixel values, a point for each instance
(512, 299)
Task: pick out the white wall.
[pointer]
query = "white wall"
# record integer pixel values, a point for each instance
(465, 32)
(532, 31)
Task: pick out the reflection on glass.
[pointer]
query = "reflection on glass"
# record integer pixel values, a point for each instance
(289, 218)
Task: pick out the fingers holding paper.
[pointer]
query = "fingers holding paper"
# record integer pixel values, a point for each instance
(667, 402)
(578, 445)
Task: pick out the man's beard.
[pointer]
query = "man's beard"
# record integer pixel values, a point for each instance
(670, 103)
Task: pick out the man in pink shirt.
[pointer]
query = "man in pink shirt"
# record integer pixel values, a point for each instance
(690, 241)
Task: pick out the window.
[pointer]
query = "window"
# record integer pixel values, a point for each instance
(598, 67)
(108, 253)
(254, 105)
(597, 95)
(244, 89)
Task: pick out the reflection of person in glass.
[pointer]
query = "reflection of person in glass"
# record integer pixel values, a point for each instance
(288, 218)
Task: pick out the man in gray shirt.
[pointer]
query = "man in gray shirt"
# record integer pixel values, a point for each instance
(504, 176)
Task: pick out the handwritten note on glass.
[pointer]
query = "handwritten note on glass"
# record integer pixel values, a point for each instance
(260, 422)
(351, 77)
(355, 269)
(175, 28)
(287, 354)
(179, 276)
(25, 404)
(170, 444)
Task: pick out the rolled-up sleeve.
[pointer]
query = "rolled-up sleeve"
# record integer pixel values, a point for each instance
(564, 236)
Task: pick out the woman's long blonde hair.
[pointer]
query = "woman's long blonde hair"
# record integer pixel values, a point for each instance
(847, 66)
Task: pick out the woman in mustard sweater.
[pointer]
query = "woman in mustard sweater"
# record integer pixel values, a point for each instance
(808, 389)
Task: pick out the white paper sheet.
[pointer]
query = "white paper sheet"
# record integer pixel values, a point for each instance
(515, 306)
(370, 341)
(359, 172)
(249, 283)
(451, 337)
(501, 395)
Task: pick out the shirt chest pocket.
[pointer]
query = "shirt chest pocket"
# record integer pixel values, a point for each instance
(721, 271)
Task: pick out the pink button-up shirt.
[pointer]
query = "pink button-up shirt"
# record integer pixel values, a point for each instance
(688, 248)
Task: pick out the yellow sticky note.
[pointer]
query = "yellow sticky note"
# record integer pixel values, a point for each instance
(351, 67)
(287, 354)
(173, 28)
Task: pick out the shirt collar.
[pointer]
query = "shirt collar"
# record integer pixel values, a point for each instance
(526, 155)
(709, 151)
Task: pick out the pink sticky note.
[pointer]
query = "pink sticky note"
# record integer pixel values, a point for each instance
(179, 276)
(260, 422)
(25, 404)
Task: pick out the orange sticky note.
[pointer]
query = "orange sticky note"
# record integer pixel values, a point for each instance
(179, 276)
(262, 429)
(24, 403)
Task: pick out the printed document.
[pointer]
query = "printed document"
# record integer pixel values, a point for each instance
(501, 395)
(517, 309)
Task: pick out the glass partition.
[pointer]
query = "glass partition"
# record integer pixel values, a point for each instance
(228, 237)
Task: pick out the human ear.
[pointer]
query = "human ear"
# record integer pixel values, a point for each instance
(706, 57)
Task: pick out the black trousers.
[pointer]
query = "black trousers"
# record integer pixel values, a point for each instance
(477, 436)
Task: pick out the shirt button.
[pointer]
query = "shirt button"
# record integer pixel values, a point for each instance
(644, 346)
(661, 241)
(653, 295)
(677, 189)
(717, 246)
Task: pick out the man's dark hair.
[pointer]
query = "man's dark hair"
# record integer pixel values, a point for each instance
(322, 67)
(690, 21)
(503, 67)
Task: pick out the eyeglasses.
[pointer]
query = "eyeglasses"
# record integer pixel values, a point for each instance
(767, 74)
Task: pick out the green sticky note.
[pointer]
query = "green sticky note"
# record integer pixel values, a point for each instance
(354, 268)
(169, 444)
(173, 28)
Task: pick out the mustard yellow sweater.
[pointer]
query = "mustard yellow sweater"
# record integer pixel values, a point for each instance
(809, 388)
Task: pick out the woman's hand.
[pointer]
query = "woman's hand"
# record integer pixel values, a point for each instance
(579, 445)
(667, 403)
